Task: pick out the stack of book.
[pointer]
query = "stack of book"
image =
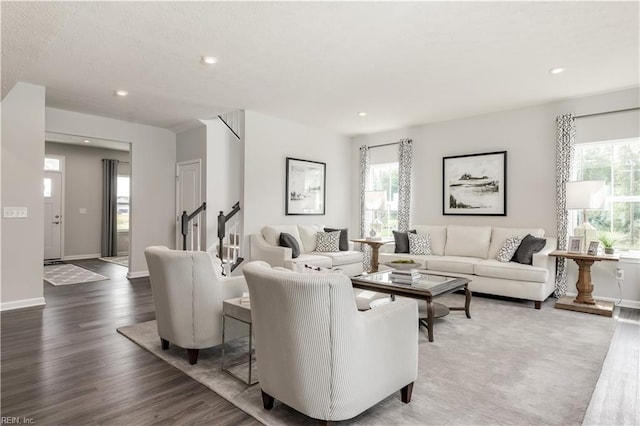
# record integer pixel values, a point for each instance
(407, 276)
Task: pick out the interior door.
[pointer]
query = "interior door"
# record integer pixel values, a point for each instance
(188, 198)
(52, 215)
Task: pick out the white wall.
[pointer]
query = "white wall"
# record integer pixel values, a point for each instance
(268, 141)
(23, 127)
(529, 137)
(153, 158)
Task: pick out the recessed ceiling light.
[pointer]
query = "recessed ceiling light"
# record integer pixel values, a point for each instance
(120, 92)
(86, 141)
(556, 70)
(362, 113)
(209, 60)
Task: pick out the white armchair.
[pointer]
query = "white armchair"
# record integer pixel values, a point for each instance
(188, 289)
(318, 354)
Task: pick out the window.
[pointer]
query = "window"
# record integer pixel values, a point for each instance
(52, 163)
(47, 187)
(383, 178)
(122, 217)
(618, 164)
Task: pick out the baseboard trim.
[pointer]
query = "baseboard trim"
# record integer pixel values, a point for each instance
(82, 256)
(137, 274)
(624, 303)
(24, 303)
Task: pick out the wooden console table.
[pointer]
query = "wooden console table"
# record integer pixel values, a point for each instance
(375, 247)
(584, 301)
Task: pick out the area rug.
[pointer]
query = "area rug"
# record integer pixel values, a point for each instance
(119, 260)
(66, 274)
(508, 365)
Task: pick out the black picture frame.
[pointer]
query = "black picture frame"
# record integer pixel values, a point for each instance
(305, 191)
(475, 184)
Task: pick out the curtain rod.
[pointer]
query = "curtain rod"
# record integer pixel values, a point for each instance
(384, 144)
(606, 112)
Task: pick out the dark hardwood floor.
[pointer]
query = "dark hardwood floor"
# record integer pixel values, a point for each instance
(66, 364)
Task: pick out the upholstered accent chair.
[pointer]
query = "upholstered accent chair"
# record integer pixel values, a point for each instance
(318, 354)
(188, 289)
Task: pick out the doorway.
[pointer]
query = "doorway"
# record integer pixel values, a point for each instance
(189, 198)
(53, 191)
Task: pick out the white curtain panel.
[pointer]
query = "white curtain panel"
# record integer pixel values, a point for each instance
(565, 146)
(404, 184)
(364, 174)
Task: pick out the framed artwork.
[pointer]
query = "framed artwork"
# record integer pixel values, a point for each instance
(475, 184)
(575, 245)
(305, 187)
(593, 248)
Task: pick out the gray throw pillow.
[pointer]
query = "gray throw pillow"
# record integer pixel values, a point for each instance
(344, 237)
(288, 240)
(527, 248)
(402, 241)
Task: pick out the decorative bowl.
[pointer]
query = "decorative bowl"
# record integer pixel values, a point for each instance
(404, 266)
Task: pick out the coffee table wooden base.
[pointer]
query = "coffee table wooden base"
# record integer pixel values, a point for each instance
(599, 307)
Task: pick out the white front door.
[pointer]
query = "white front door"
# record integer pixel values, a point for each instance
(188, 198)
(52, 215)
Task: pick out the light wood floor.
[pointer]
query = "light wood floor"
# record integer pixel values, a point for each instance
(66, 364)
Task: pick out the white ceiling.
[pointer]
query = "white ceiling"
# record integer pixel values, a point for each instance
(317, 63)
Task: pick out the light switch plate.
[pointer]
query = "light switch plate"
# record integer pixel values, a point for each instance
(15, 212)
(83, 210)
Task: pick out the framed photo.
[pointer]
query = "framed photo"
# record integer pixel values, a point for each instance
(575, 244)
(475, 184)
(305, 187)
(593, 248)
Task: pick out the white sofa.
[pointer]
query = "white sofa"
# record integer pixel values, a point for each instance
(470, 252)
(265, 247)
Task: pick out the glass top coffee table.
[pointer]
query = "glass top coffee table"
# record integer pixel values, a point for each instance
(425, 288)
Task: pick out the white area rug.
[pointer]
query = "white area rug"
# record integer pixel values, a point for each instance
(508, 365)
(119, 260)
(66, 274)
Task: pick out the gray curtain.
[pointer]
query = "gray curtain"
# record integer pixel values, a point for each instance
(109, 208)
(404, 184)
(364, 174)
(565, 146)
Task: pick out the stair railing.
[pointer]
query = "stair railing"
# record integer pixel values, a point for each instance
(229, 252)
(188, 225)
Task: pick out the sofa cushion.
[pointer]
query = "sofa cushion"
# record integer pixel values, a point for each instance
(493, 268)
(508, 249)
(402, 241)
(419, 244)
(272, 233)
(308, 236)
(287, 240)
(499, 235)
(438, 236)
(328, 241)
(344, 237)
(468, 241)
(311, 259)
(343, 257)
(528, 246)
(461, 265)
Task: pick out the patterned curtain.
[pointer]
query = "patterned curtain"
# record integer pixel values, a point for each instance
(565, 144)
(404, 184)
(364, 174)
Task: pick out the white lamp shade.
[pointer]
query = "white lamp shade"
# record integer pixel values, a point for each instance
(375, 200)
(585, 194)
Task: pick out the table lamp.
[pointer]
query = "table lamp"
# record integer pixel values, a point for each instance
(585, 195)
(375, 201)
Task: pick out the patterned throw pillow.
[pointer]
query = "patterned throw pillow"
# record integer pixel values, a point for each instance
(328, 241)
(508, 249)
(419, 244)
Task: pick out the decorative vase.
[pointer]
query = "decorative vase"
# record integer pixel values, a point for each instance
(609, 250)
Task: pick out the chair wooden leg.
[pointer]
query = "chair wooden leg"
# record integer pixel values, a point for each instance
(267, 400)
(405, 393)
(165, 344)
(538, 304)
(193, 355)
